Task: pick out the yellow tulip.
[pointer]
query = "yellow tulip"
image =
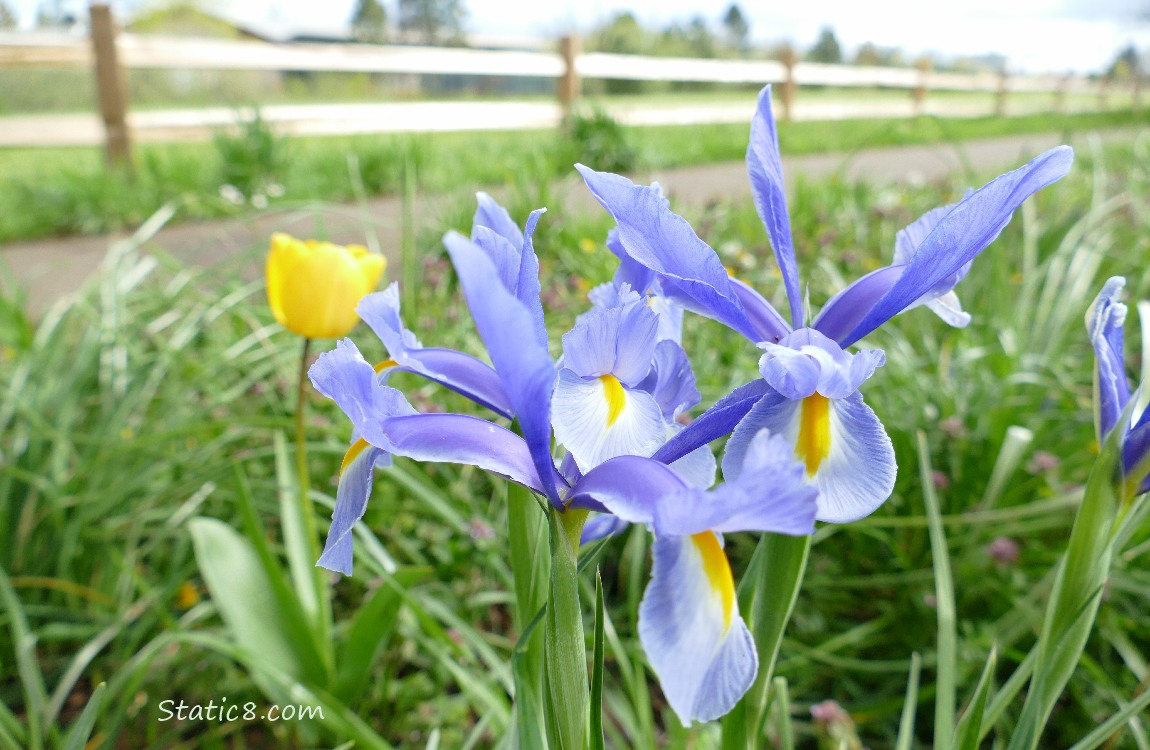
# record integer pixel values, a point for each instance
(313, 287)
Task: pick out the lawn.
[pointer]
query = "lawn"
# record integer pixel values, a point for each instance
(164, 397)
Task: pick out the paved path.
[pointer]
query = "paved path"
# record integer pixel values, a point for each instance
(49, 269)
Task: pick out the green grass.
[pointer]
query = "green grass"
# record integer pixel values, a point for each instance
(65, 191)
(130, 411)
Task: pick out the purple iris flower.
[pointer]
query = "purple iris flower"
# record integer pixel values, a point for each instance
(809, 386)
(1105, 322)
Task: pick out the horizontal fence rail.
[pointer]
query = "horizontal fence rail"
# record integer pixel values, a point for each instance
(567, 66)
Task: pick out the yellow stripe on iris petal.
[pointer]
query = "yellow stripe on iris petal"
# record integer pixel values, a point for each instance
(814, 442)
(615, 395)
(356, 448)
(718, 571)
(385, 364)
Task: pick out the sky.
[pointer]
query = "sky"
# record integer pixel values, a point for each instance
(1036, 36)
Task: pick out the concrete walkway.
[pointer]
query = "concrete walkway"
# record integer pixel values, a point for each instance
(47, 270)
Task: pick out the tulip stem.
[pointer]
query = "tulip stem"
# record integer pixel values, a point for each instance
(307, 509)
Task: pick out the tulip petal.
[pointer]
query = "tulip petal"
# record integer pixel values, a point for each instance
(766, 171)
(963, 233)
(691, 631)
(523, 363)
(715, 422)
(355, 480)
(598, 419)
(663, 241)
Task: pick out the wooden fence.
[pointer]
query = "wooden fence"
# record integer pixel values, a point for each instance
(109, 53)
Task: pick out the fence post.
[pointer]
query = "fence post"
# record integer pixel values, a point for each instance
(924, 65)
(569, 85)
(789, 59)
(1003, 88)
(111, 88)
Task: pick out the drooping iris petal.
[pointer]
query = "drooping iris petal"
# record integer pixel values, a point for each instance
(1105, 321)
(963, 233)
(807, 362)
(769, 494)
(618, 341)
(843, 311)
(597, 418)
(463, 439)
(715, 422)
(671, 380)
(766, 172)
(629, 487)
(601, 526)
(691, 631)
(355, 480)
(847, 453)
(664, 242)
(697, 467)
(344, 376)
(523, 363)
(460, 372)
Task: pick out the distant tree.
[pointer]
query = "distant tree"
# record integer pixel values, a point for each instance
(50, 14)
(826, 49)
(1126, 66)
(7, 17)
(431, 21)
(693, 39)
(871, 54)
(621, 35)
(738, 30)
(369, 21)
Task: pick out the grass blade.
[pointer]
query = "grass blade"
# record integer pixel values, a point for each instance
(595, 740)
(82, 728)
(969, 729)
(906, 722)
(944, 596)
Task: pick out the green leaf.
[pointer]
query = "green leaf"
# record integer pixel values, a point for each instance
(565, 651)
(32, 679)
(243, 593)
(909, 704)
(1111, 726)
(529, 727)
(596, 740)
(370, 631)
(82, 728)
(782, 704)
(530, 572)
(944, 596)
(969, 729)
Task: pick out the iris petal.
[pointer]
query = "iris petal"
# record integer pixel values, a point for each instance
(355, 480)
(690, 628)
(714, 423)
(766, 171)
(857, 473)
(581, 415)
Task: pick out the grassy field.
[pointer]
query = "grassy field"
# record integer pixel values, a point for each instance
(51, 192)
(159, 397)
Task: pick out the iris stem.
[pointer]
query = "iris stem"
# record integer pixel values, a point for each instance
(565, 649)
